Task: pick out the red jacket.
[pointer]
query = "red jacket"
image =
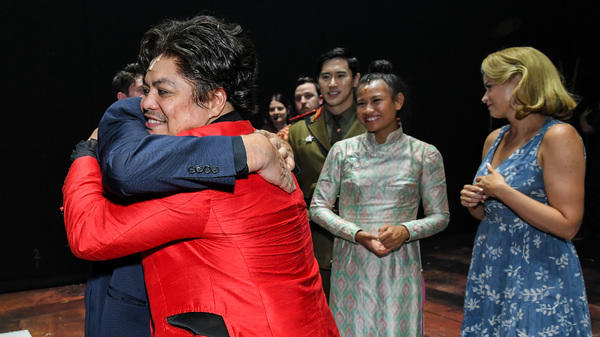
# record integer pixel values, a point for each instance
(250, 259)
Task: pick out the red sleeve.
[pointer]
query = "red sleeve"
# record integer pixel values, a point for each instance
(98, 229)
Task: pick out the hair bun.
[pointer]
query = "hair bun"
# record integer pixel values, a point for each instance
(381, 66)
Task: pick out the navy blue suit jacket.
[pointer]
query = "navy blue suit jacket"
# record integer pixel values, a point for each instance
(133, 163)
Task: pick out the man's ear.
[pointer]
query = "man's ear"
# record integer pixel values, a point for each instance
(121, 95)
(217, 103)
(355, 80)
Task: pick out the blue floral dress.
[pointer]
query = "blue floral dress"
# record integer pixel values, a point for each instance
(522, 281)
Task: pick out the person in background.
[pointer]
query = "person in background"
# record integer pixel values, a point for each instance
(311, 137)
(307, 95)
(525, 277)
(249, 269)
(307, 98)
(112, 291)
(278, 116)
(381, 177)
(128, 82)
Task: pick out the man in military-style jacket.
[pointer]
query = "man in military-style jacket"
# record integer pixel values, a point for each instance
(312, 135)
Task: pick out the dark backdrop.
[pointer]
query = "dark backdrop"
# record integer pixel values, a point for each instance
(58, 58)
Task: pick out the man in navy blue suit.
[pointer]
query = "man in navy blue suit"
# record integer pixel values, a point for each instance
(135, 163)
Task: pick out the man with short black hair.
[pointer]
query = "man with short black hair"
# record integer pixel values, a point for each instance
(230, 261)
(312, 136)
(128, 82)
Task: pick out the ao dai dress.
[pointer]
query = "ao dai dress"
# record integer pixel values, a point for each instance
(379, 184)
(522, 281)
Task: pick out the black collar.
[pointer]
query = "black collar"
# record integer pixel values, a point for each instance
(232, 116)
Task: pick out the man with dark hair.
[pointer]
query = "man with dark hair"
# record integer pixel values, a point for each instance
(231, 261)
(307, 95)
(135, 163)
(307, 98)
(115, 295)
(128, 82)
(312, 136)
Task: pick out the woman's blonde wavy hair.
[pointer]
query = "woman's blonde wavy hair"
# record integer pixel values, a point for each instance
(541, 88)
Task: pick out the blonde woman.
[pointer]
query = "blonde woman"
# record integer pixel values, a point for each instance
(525, 278)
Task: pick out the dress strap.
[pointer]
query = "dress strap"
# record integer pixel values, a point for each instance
(537, 139)
(492, 149)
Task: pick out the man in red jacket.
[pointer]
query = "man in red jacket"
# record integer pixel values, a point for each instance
(231, 262)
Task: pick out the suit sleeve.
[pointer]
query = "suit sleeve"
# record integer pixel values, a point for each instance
(99, 229)
(133, 162)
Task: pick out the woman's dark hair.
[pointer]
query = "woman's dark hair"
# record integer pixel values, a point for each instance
(211, 54)
(279, 97)
(384, 70)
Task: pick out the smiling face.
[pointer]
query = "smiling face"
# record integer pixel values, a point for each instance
(277, 112)
(337, 84)
(168, 101)
(499, 97)
(377, 108)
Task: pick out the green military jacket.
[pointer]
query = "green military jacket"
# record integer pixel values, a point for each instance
(310, 142)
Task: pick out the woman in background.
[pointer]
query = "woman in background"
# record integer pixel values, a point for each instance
(525, 278)
(279, 114)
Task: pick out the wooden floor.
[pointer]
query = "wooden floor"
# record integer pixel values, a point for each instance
(60, 311)
(56, 312)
